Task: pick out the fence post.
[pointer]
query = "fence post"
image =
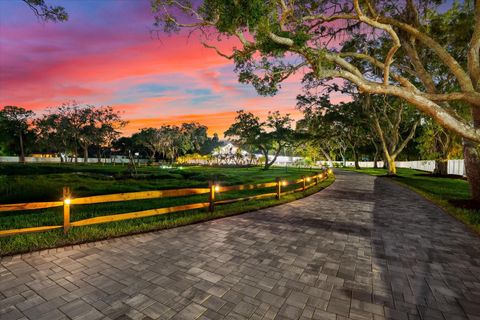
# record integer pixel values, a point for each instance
(211, 198)
(66, 209)
(316, 178)
(279, 188)
(303, 183)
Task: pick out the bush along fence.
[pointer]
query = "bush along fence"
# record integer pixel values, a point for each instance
(213, 190)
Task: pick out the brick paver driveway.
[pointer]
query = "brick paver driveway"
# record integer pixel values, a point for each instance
(364, 248)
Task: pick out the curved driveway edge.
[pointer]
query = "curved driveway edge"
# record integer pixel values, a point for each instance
(364, 248)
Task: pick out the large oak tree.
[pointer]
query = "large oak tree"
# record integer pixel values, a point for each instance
(277, 38)
(15, 123)
(270, 137)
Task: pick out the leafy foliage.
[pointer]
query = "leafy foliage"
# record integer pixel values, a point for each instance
(71, 126)
(14, 127)
(266, 136)
(170, 142)
(46, 12)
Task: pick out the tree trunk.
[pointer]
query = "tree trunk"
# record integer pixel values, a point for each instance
(99, 155)
(375, 155)
(471, 152)
(85, 153)
(441, 167)
(22, 151)
(266, 165)
(327, 156)
(269, 164)
(76, 153)
(391, 166)
(355, 158)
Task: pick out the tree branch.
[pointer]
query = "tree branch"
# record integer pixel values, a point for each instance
(402, 80)
(407, 139)
(423, 104)
(473, 57)
(420, 70)
(229, 57)
(389, 30)
(470, 97)
(280, 40)
(456, 69)
(380, 134)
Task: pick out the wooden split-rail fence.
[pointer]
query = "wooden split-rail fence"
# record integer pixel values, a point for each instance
(213, 189)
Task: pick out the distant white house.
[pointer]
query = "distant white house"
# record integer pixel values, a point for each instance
(285, 160)
(231, 149)
(228, 149)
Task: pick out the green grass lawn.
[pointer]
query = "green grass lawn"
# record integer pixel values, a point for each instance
(439, 190)
(44, 182)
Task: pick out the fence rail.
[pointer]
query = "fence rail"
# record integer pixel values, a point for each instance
(212, 190)
(139, 195)
(30, 206)
(455, 166)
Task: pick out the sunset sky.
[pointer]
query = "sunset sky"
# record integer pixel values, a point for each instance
(105, 54)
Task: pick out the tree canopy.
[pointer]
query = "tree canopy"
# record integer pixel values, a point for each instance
(14, 124)
(271, 135)
(410, 49)
(72, 126)
(271, 33)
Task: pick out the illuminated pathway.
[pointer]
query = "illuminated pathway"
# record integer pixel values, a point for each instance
(364, 248)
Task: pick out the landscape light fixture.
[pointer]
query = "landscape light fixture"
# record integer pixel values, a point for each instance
(67, 201)
(217, 188)
(284, 183)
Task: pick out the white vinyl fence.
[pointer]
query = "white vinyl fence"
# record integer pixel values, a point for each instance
(116, 160)
(456, 167)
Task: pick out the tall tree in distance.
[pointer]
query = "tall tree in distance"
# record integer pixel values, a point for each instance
(210, 145)
(313, 124)
(147, 137)
(279, 38)
(395, 124)
(269, 136)
(72, 126)
(196, 134)
(107, 124)
(169, 141)
(342, 126)
(15, 122)
(78, 122)
(53, 135)
(434, 142)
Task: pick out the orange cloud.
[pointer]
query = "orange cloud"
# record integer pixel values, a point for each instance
(104, 55)
(216, 122)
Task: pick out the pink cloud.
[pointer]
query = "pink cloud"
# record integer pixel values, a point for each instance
(106, 49)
